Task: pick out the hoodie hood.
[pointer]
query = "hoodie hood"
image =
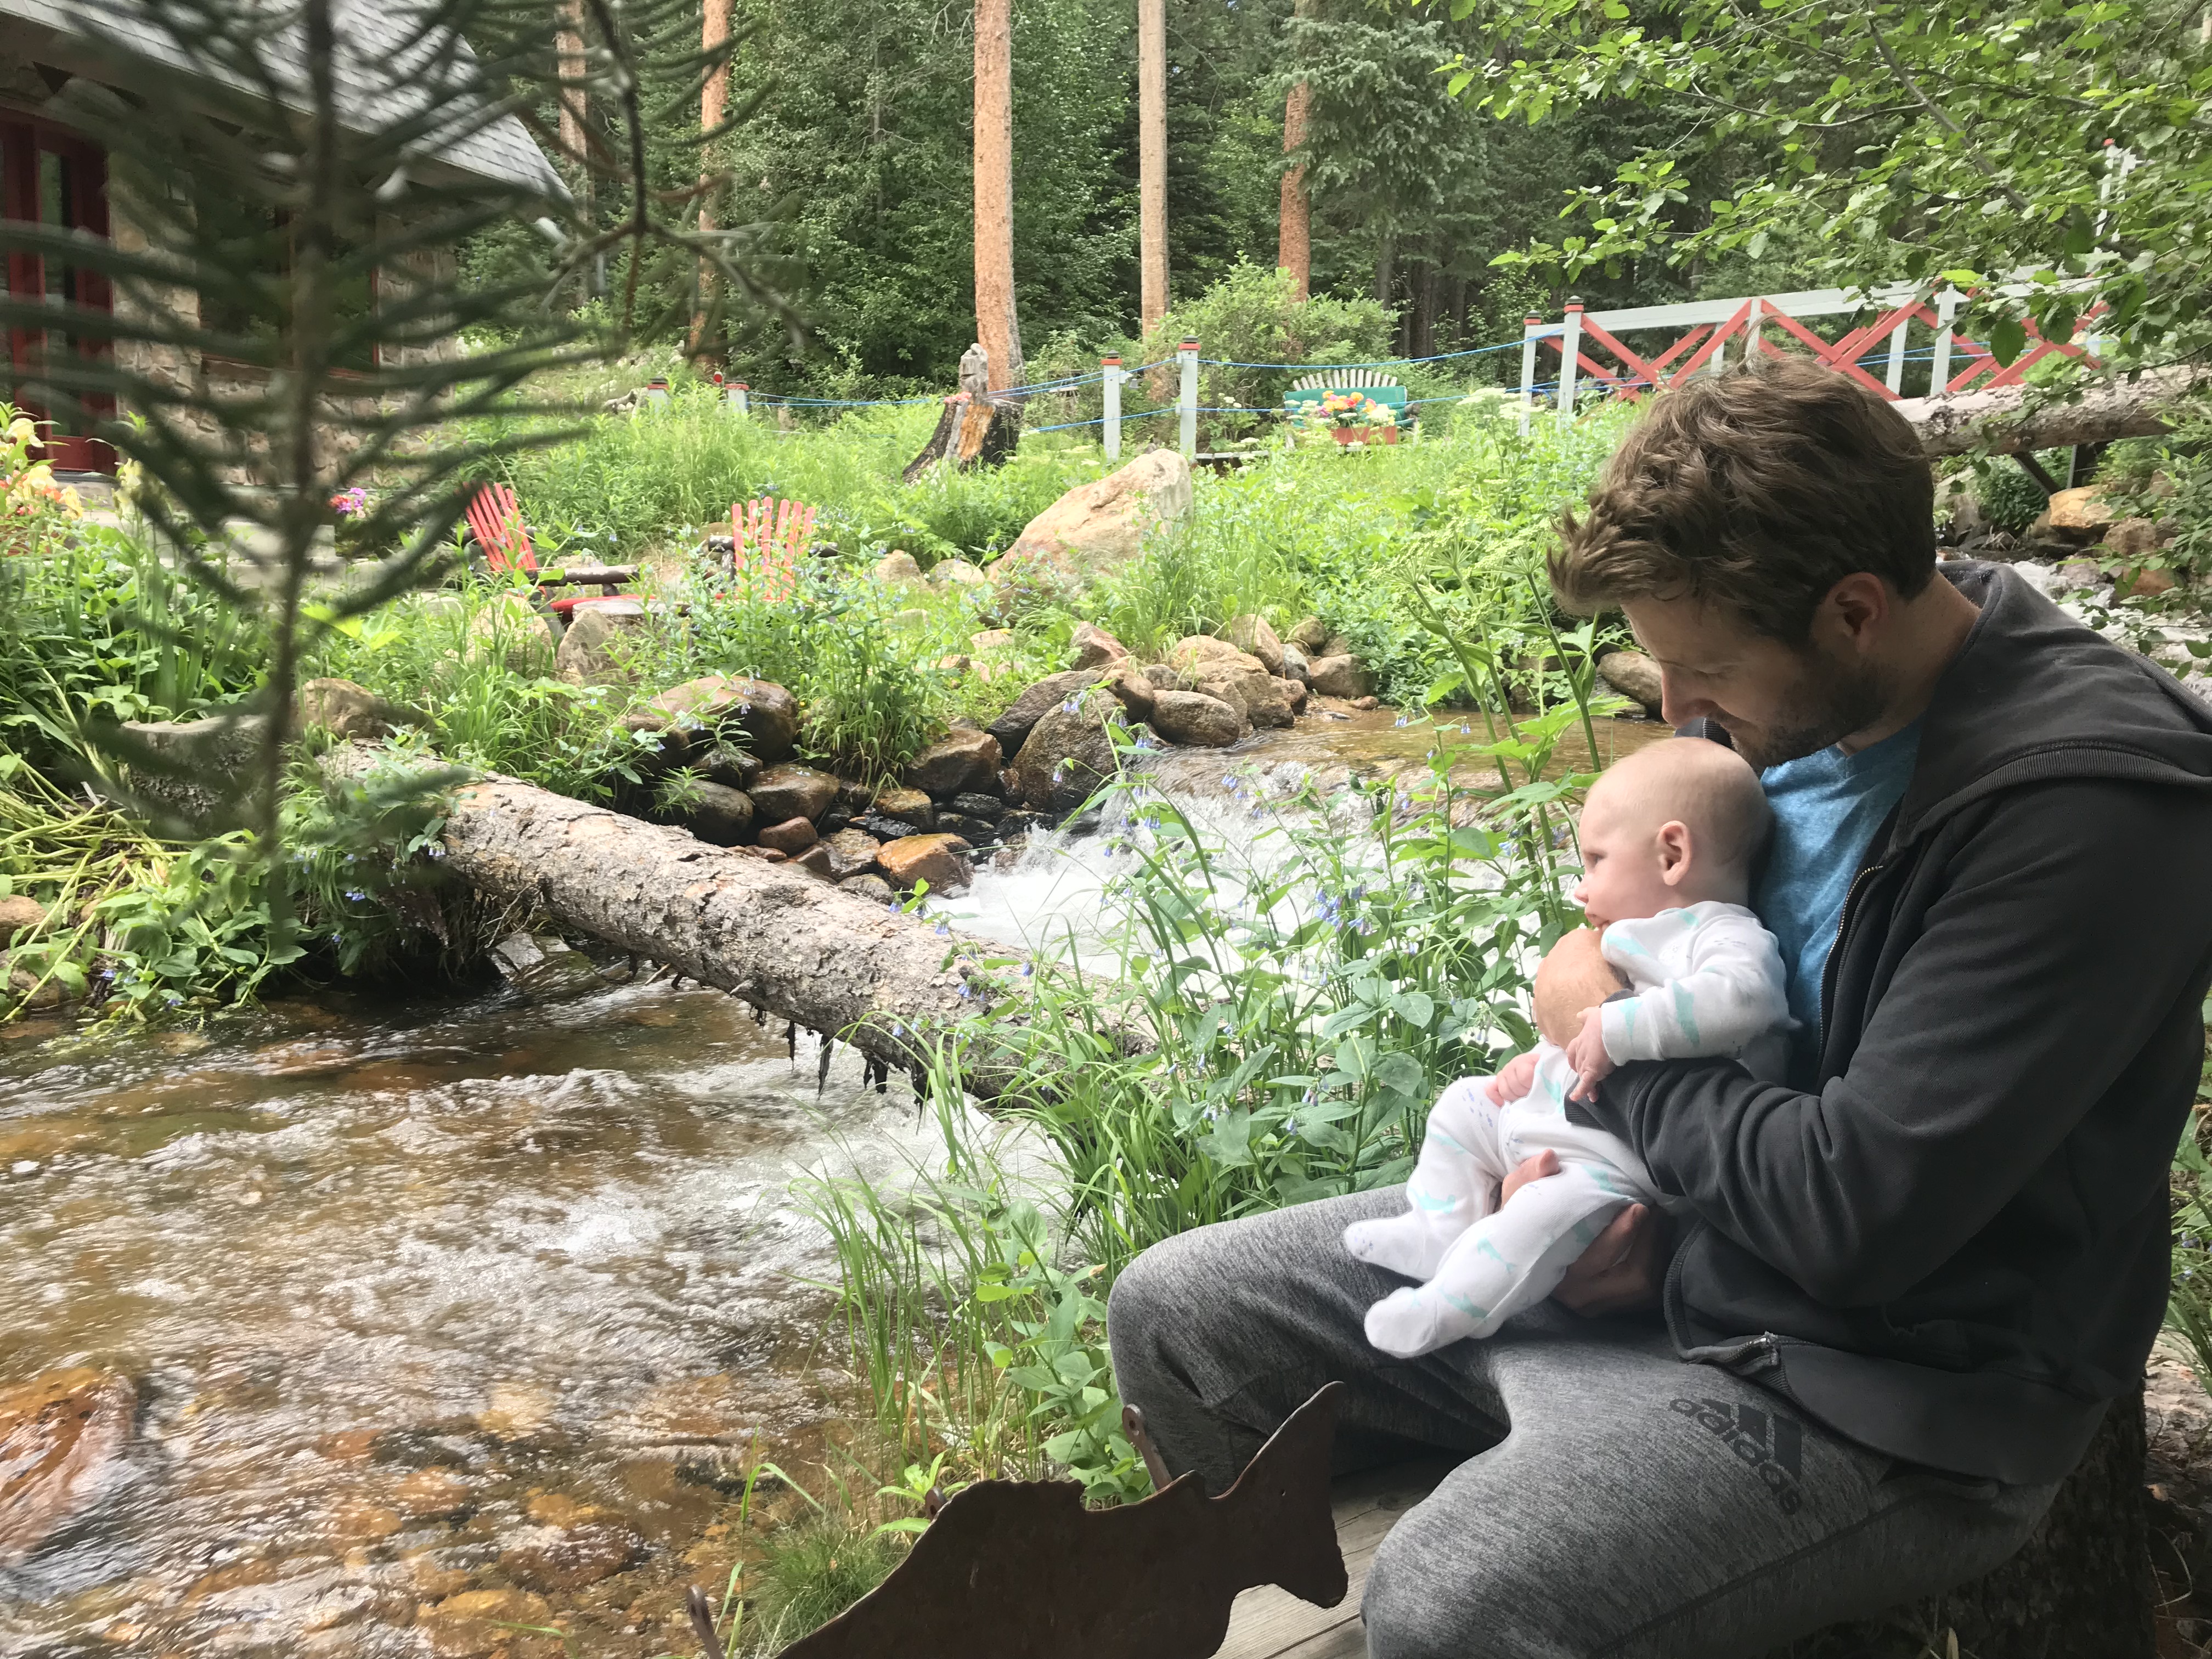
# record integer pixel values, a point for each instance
(2033, 695)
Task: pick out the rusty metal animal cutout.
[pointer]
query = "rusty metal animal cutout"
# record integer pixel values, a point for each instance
(1020, 1570)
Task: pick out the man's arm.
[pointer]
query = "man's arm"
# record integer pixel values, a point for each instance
(2032, 983)
(1573, 978)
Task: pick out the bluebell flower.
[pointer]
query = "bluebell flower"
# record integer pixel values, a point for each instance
(944, 928)
(1028, 969)
(897, 1030)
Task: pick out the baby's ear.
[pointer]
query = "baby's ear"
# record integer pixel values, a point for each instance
(1674, 850)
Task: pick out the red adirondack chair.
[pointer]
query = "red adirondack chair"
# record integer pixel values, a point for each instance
(767, 535)
(495, 520)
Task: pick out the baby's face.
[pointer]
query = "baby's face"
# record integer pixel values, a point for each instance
(1624, 864)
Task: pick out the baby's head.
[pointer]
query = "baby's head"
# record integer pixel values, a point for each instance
(1667, 827)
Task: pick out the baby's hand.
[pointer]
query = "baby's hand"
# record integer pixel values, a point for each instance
(1586, 1054)
(1514, 1079)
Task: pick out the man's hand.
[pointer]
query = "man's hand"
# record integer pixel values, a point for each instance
(1621, 1271)
(1587, 1055)
(1514, 1079)
(1573, 978)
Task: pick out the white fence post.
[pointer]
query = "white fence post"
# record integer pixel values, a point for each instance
(1113, 378)
(1186, 398)
(1947, 306)
(1896, 378)
(1529, 327)
(740, 400)
(1570, 346)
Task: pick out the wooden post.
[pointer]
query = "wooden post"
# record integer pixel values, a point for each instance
(1570, 346)
(1152, 159)
(1113, 379)
(997, 326)
(1294, 236)
(714, 100)
(1947, 306)
(1186, 398)
(1529, 327)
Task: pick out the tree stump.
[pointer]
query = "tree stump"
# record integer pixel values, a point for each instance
(971, 431)
(2080, 1588)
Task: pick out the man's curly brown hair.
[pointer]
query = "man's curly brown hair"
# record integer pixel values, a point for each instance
(1756, 491)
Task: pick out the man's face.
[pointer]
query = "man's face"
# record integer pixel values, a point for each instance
(1777, 701)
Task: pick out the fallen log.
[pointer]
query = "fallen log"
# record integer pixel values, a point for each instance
(2015, 418)
(786, 942)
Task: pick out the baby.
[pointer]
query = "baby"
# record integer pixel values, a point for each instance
(1669, 837)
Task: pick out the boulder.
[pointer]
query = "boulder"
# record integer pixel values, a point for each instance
(1294, 693)
(1263, 700)
(1633, 675)
(766, 713)
(1309, 633)
(1193, 658)
(1134, 692)
(938, 859)
(958, 573)
(2144, 583)
(2079, 516)
(959, 760)
(432, 1495)
(991, 639)
(1194, 718)
(22, 917)
(1294, 664)
(1069, 753)
(814, 860)
(1162, 678)
(869, 886)
(851, 853)
(731, 767)
(791, 791)
(790, 838)
(896, 567)
(1095, 648)
(1339, 677)
(889, 828)
(58, 1432)
(974, 831)
(720, 815)
(977, 805)
(1334, 645)
(910, 806)
(600, 639)
(1013, 728)
(1099, 525)
(2076, 574)
(2130, 539)
(193, 767)
(347, 710)
(1250, 632)
(1367, 705)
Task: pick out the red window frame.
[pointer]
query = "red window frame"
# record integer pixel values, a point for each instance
(23, 141)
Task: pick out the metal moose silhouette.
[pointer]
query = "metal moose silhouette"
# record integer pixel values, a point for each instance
(1020, 1570)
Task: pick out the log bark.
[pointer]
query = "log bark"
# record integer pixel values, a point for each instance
(2013, 418)
(1152, 159)
(997, 325)
(785, 941)
(2080, 1588)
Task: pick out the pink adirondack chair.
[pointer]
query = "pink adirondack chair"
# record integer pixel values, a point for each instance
(767, 535)
(495, 520)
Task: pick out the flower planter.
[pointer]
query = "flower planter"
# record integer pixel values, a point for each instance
(1383, 434)
(1350, 435)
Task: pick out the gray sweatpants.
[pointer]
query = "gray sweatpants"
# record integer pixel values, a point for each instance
(1616, 1500)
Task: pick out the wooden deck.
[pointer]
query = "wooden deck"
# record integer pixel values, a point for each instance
(1273, 1624)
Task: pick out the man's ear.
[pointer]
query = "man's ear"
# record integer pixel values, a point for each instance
(1854, 611)
(1673, 852)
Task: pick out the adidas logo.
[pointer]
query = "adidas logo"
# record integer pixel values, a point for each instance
(1773, 1444)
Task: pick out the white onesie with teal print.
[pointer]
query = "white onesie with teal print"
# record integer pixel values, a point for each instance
(1708, 982)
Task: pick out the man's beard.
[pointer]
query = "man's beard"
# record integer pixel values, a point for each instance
(1832, 700)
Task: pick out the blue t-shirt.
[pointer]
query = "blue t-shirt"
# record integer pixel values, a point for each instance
(1826, 807)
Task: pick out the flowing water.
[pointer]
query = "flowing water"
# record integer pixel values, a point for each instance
(405, 1291)
(481, 1301)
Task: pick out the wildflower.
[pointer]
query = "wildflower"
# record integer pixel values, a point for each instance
(897, 1030)
(944, 928)
(356, 897)
(1028, 969)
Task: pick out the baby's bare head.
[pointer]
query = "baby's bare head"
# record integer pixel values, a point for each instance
(1633, 866)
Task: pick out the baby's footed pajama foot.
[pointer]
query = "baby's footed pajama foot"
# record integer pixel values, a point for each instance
(1421, 1319)
(1414, 1243)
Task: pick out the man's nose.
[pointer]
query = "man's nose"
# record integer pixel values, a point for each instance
(1678, 705)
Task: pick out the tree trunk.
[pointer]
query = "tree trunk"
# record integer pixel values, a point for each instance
(973, 431)
(1386, 267)
(2080, 1588)
(575, 102)
(797, 946)
(2013, 418)
(714, 100)
(996, 323)
(1294, 236)
(1152, 158)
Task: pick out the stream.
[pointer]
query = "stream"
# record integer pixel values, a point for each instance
(479, 1302)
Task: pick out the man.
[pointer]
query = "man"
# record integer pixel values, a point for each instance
(1904, 1286)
